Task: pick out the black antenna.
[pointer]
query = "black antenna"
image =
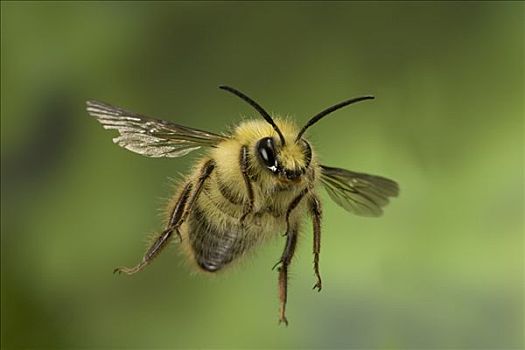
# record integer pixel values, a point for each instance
(255, 105)
(330, 110)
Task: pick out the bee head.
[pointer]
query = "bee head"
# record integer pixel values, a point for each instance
(288, 160)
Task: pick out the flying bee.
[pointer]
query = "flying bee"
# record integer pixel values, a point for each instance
(255, 182)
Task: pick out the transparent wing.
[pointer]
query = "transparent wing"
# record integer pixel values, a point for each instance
(148, 136)
(359, 193)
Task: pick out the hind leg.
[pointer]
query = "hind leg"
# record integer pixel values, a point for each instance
(164, 238)
(179, 214)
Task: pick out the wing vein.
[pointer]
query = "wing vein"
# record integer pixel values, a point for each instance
(149, 136)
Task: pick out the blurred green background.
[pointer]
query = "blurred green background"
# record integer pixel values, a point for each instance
(443, 268)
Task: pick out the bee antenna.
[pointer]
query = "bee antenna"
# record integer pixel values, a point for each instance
(255, 105)
(329, 110)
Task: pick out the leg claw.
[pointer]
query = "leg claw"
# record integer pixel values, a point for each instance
(129, 271)
(318, 286)
(283, 319)
(121, 270)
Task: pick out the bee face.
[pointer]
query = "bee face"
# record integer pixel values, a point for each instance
(288, 162)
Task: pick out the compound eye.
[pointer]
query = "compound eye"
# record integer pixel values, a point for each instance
(266, 150)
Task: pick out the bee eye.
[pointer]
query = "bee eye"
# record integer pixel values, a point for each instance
(266, 151)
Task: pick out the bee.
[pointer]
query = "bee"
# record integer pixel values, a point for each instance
(256, 182)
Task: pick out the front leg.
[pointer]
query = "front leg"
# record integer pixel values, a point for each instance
(314, 206)
(243, 163)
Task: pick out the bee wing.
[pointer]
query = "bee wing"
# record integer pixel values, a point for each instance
(359, 193)
(148, 136)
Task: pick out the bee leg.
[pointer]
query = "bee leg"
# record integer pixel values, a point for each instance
(289, 249)
(292, 206)
(178, 211)
(315, 211)
(295, 202)
(179, 214)
(151, 253)
(205, 173)
(244, 170)
(164, 237)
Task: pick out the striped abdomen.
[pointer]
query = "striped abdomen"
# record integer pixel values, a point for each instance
(212, 247)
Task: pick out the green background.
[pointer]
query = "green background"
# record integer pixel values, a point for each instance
(443, 268)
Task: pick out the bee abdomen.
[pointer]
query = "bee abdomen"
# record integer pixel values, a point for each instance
(212, 247)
